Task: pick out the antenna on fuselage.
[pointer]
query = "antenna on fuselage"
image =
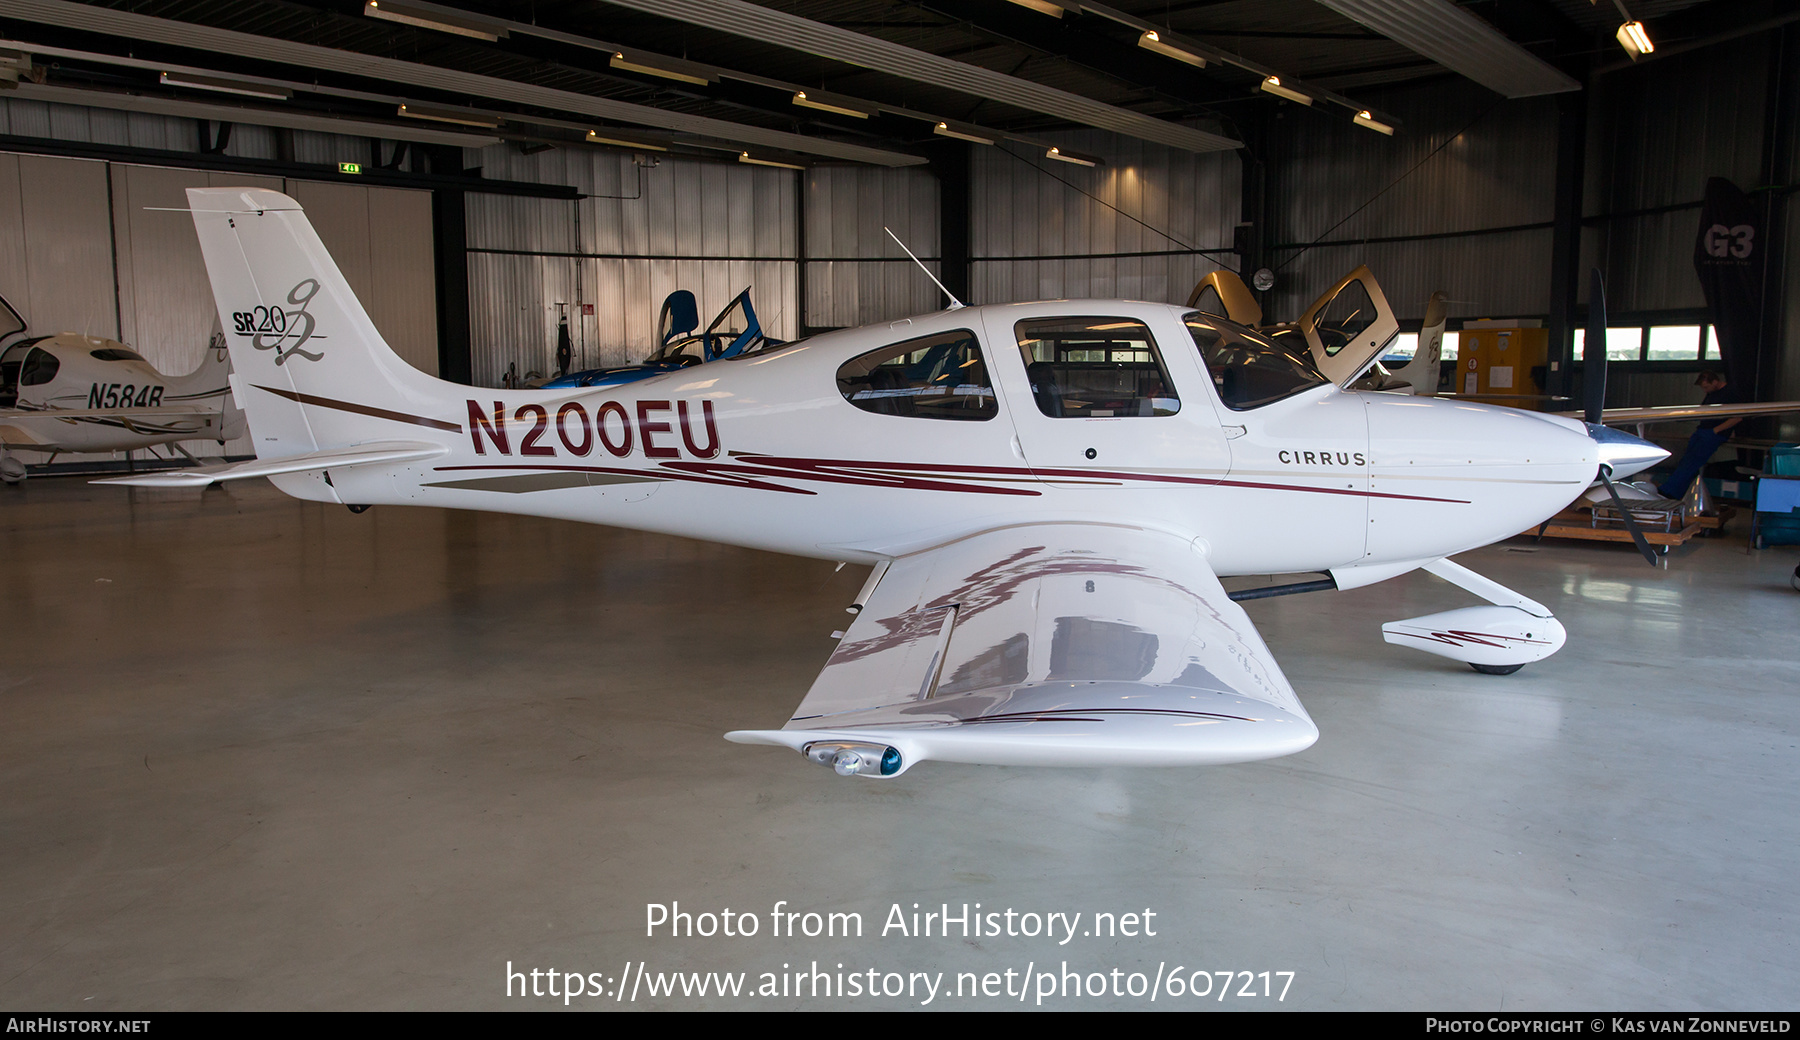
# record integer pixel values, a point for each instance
(955, 304)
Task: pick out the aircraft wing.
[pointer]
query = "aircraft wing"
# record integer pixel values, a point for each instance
(1676, 413)
(335, 458)
(1051, 644)
(24, 427)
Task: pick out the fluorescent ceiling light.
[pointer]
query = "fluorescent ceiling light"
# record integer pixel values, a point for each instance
(1273, 86)
(619, 61)
(1363, 118)
(1070, 157)
(430, 16)
(803, 101)
(225, 86)
(594, 138)
(744, 157)
(1635, 40)
(1049, 7)
(462, 116)
(1152, 42)
(946, 130)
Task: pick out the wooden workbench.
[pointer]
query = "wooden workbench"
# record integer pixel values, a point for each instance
(1578, 523)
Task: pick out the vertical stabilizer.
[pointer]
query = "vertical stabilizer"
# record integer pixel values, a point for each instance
(1423, 371)
(308, 367)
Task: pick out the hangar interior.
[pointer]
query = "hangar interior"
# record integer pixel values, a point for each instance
(366, 761)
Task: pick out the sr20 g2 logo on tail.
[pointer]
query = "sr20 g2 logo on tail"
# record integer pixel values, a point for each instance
(273, 327)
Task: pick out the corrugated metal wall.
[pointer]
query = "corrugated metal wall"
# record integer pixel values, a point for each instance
(1464, 161)
(381, 239)
(1042, 229)
(847, 208)
(711, 228)
(56, 264)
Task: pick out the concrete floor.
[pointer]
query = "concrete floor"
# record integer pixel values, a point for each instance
(259, 753)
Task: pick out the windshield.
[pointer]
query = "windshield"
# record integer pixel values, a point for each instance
(1249, 369)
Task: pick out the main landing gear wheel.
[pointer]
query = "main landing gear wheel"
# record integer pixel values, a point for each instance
(1496, 669)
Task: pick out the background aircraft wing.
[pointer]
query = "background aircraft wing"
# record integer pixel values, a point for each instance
(26, 427)
(1052, 644)
(1676, 413)
(160, 413)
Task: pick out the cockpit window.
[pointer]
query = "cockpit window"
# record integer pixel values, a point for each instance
(1249, 369)
(116, 354)
(1098, 368)
(933, 377)
(39, 368)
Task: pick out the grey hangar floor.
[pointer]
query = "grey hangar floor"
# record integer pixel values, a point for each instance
(259, 753)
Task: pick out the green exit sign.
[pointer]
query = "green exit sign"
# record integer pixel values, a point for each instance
(349, 167)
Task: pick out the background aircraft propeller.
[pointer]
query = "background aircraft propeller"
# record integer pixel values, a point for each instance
(1593, 379)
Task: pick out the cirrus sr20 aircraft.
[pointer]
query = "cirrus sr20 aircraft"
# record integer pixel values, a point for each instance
(75, 393)
(1048, 494)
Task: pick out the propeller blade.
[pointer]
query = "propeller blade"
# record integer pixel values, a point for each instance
(1593, 363)
(1637, 536)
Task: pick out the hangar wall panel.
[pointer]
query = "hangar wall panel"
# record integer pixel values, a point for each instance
(641, 233)
(1041, 229)
(381, 239)
(855, 274)
(1462, 163)
(56, 263)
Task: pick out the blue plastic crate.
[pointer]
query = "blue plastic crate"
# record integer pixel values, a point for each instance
(1784, 460)
(1778, 510)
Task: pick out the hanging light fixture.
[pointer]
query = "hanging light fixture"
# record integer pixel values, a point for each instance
(1150, 41)
(1273, 86)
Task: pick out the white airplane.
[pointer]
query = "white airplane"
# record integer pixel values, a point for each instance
(75, 393)
(1048, 494)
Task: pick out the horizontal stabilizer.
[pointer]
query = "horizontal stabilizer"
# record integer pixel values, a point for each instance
(335, 458)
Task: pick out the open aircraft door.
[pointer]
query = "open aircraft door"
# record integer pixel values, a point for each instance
(1223, 293)
(1347, 328)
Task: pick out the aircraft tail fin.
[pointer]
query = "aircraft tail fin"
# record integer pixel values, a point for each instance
(209, 385)
(1422, 372)
(308, 367)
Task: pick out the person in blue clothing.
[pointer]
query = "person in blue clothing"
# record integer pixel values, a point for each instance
(1709, 438)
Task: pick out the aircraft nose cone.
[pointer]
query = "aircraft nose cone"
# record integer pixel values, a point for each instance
(1621, 453)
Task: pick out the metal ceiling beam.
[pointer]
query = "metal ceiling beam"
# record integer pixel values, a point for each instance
(251, 115)
(827, 41)
(1461, 42)
(720, 72)
(84, 17)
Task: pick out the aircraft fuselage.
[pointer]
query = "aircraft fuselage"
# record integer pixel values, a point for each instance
(766, 452)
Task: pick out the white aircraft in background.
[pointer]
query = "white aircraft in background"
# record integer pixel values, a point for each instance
(75, 393)
(1048, 494)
